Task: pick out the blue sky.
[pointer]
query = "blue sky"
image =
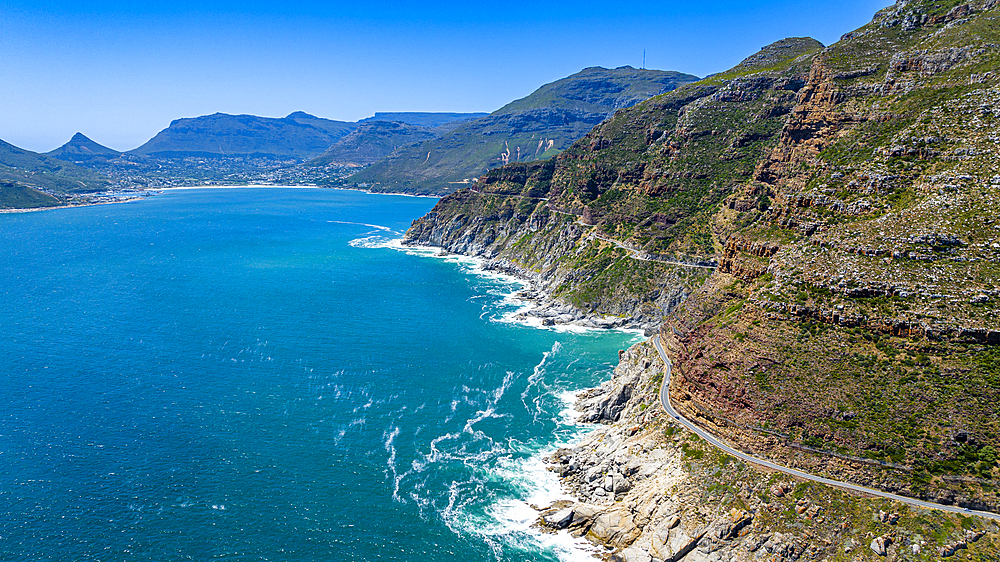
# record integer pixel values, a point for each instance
(121, 71)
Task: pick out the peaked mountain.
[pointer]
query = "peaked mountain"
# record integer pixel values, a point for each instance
(33, 173)
(299, 136)
(82, 149)
(535, 127)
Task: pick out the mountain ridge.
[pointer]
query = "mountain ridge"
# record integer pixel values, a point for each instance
(299, 135)
(535, 127)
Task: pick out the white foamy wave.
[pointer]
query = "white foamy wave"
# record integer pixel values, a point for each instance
(536, 380)
(569, 415)
(378, 226)
(510, 309)
(390, 447)
(522, 316)
(508, 524)
(510, 284)
(375, 241)
(503, 519)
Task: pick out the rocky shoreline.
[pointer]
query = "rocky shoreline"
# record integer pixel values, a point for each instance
(547, 310)
(646, 490)
(540, 307)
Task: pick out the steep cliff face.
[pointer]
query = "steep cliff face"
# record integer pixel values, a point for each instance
(648, 490)
(856, 314)
(619, 224)
(849, 196)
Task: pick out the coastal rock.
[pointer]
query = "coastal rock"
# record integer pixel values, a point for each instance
(879, 545)
(583, 514)
(608, 526)
(678, 545)
(606, 403)
(560, 519)
(635, 555)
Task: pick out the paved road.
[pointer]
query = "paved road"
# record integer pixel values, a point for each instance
(665, 401)
(637, 255)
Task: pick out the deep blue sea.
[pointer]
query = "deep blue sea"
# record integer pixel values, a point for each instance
(265, 374)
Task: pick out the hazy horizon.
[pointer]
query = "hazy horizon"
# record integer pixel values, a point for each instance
(119, 74)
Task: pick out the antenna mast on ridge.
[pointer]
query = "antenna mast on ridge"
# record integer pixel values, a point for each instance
(644, 59)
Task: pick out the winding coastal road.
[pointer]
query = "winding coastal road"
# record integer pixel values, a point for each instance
(637, 255)
(665, 401)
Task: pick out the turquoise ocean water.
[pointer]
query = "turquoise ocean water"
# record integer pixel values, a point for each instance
(264, 374)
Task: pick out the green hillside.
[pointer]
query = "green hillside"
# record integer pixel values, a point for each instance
(372, 141)
(17, 196)
(536, 127)
(46, 173)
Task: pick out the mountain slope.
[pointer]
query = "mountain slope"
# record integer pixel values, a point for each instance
(650, 177)
(536, 127)
(299, 136)
(82, 149)
(17, 196)
(849, 196)
(371, 141)
(45, 173)
(867, 287)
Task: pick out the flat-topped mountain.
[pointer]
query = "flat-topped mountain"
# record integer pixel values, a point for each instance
(82, 149)
(535, 127)
(299, 136)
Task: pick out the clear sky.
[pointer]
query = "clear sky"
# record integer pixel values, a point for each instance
(120, 71)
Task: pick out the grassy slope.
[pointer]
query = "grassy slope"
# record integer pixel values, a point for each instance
(867, 332)
(371, 141)
(536, 127)
(16, 196)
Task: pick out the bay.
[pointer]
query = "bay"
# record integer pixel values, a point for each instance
(265, 374)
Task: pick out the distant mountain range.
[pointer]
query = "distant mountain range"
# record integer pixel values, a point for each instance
(418, 152)
(372, 141)
(385, 133)
(297, 136)
(532, 128)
